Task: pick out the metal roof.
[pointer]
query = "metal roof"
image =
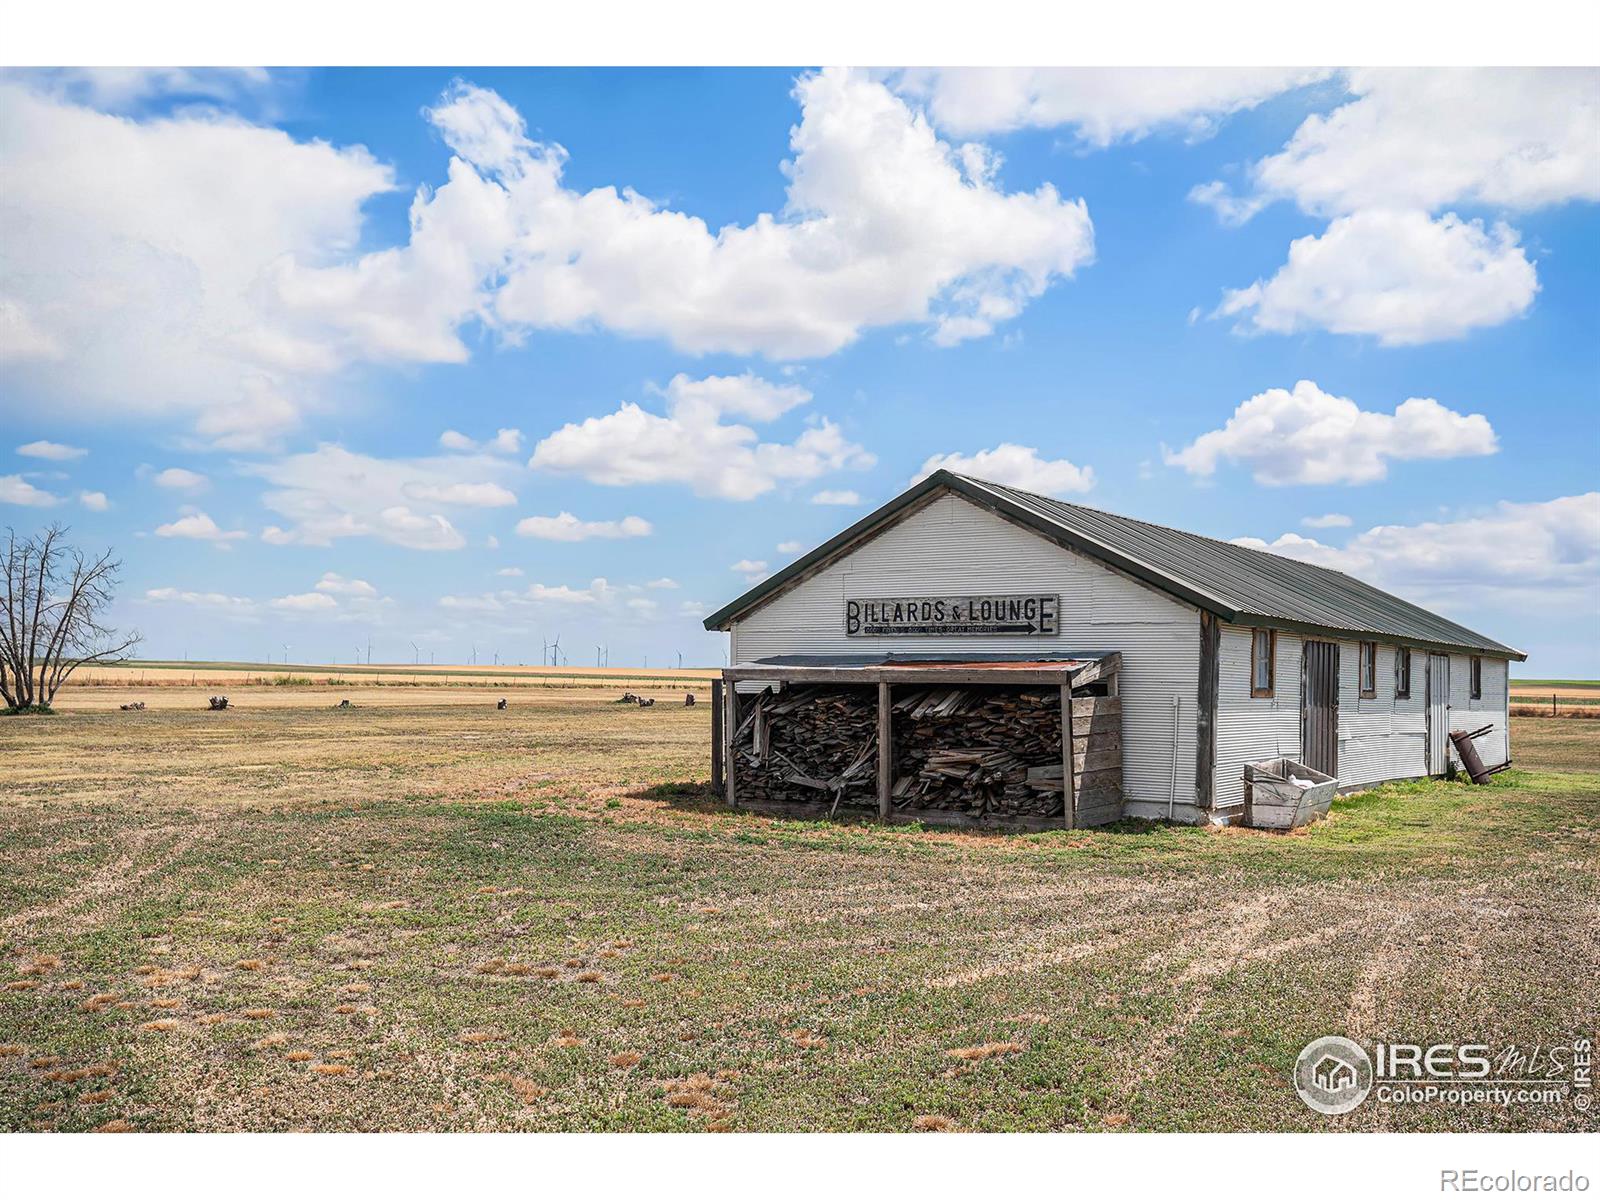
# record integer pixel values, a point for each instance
(1237, 583)
(894, 658)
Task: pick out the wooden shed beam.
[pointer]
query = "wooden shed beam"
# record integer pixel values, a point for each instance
(885, 750)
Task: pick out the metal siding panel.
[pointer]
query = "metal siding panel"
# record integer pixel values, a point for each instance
(1250, 729)
(1380, 737)
(953, 545)
(1490, 709)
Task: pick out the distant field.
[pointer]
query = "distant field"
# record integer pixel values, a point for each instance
(1545, 685)
(425, 913)
(240, 674)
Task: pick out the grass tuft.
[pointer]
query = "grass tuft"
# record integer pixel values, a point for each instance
(987, 1050)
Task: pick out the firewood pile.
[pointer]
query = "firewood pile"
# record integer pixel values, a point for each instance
(810, 745)
(136, 706)
(218, 703)
(979, 751)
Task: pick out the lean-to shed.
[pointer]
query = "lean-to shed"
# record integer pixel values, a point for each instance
(1221, 654)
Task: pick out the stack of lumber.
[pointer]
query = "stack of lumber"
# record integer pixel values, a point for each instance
(979, 751)
(810, 745)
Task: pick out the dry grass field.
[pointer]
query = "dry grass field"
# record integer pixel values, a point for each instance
(233, 675)
(421, 913)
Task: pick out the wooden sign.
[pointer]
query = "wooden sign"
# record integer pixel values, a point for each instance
(1019, 616)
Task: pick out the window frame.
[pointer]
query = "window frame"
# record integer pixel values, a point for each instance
(1475, 677)
(1367, 663)
(1402, 670)
(1266, 693)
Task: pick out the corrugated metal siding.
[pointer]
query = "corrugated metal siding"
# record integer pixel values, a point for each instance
(952, 545)
(1251, 729)
(1381, 737)
(1467, 713)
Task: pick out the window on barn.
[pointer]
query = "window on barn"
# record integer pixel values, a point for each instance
(1369, 670)
(1402, 673)
(1477, 678)
(1263, 650)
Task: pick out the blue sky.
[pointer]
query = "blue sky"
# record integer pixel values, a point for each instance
(1350, 315)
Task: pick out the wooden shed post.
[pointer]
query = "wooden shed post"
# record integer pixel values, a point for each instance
(730, 726)
(1069, 786)
(716, 735)
(885, 750)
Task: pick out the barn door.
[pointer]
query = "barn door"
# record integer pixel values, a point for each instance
(1319, 707)
(1438, 712)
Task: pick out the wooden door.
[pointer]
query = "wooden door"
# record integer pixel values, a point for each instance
(1319, 707)
(1438, 712)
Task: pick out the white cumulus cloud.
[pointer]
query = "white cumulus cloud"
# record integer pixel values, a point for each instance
(181, 479)
(1015, 466)
(219, 601)
(1546, 554)
(54, 451)
(464, 495)
(1327, 521)
(564, 527)
(94, 501)
(1307, 436)
(1425, 138)
(145, 282)
(14, 489)
(331, 493)
(1401, 277)
(1385, 166)
(198, 526)
(692, 445)
(201, 268)
(841, 497)
(506, 441)
(337, 585)
(1102, 104)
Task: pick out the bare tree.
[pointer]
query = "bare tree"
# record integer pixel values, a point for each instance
(53, 599)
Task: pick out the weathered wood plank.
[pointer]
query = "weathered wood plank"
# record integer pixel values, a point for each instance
(1100, 739)
(885, 750)
(730, 723)
(1069, 795)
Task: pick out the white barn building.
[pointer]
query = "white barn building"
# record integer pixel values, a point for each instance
(1228, 655)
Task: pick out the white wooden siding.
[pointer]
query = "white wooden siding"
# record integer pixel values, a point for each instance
(1250, 729)
(954, 546)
